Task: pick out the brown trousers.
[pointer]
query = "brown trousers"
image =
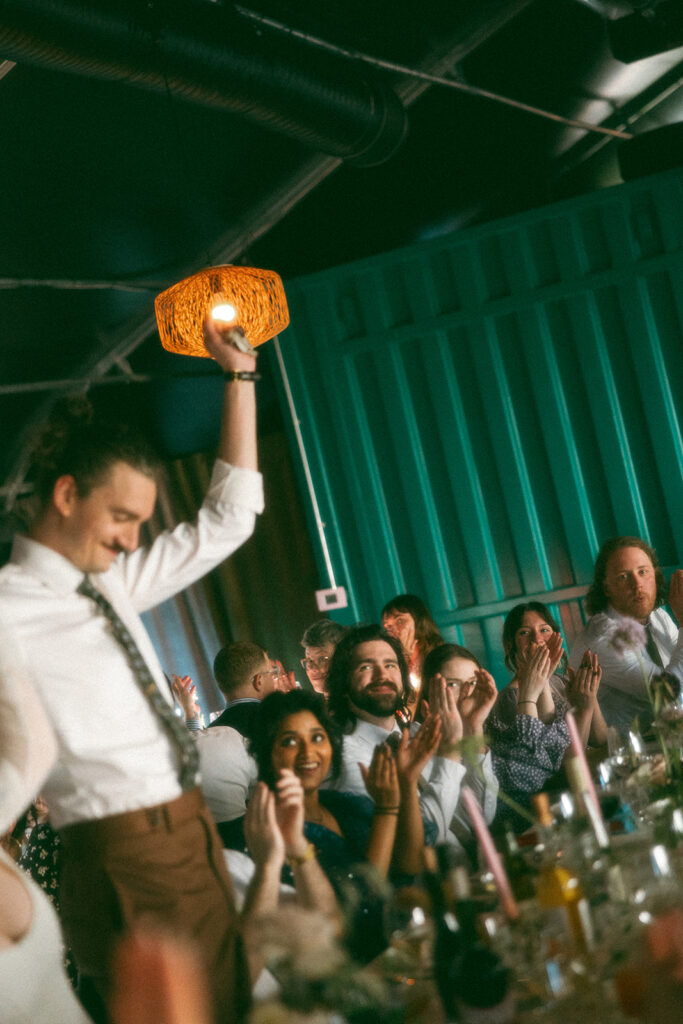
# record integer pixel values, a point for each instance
(164, 863)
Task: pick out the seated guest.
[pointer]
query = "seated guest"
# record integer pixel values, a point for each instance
(274, 827)
(296, 734)
(245, 676)
(527, 728)
(368, 684)
(42, 860)
(319, 642)
(634, 638)
(408, 618)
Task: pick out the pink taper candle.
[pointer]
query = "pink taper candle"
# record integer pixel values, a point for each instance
(578, 751)
(491, 853)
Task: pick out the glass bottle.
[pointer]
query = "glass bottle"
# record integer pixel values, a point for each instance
(473, 983)
(566, 918)
(520, 872)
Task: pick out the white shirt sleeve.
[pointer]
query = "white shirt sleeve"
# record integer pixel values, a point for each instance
(440, 793)
(179, 557)
(440, 797)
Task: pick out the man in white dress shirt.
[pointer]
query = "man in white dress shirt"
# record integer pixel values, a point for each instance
(138, 838)
(367, 684)
(628, 590)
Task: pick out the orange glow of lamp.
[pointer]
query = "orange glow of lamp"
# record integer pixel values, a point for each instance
(247, 297)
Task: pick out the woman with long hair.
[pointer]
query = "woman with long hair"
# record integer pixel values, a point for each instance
(407, 618)
(526, 727)
(295, 733)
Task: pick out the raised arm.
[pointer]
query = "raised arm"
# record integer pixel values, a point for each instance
(582, 694)
(238, 427)
(412, 755)
(267, 849)
(312, 885)
(381, 782)
(185, 692)
(232, 501)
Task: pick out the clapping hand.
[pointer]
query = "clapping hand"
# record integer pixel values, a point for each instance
(261, 829)
(289, 812)
(475, 702)
(533, 673)
(443, 701)
(555, 650)
(185, 692)
(413, 752)
(286, 680)
(582, 690)
(381, 778)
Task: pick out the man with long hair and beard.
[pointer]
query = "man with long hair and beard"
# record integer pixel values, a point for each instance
(367, 685)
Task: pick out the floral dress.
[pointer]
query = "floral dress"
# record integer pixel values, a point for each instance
(526, 753)
(42, 860)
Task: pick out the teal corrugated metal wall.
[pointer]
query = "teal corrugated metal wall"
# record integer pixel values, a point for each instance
(481, 411)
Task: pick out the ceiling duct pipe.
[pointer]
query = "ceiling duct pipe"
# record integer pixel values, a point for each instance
(208, 54)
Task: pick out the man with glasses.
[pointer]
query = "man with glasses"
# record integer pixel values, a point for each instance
(319, 642)
(634, 638)
(245, 676)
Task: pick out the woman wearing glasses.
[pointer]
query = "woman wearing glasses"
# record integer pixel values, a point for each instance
(526, 728)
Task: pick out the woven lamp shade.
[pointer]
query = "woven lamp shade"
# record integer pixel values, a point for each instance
(258, 297)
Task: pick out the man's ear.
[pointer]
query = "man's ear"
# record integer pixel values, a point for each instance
(65, 495)
(257, 682)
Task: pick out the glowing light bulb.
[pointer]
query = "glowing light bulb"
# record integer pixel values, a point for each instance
(224, 312)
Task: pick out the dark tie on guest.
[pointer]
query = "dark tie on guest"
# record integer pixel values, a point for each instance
(651, 647)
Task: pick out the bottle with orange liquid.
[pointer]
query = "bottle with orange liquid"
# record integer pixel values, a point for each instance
(566, 916)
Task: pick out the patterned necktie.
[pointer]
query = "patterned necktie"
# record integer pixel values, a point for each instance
(187, 750)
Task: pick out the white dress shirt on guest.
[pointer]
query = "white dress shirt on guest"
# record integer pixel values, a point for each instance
(440, 787)
(622, 694)
(114, 754)
(228, 771)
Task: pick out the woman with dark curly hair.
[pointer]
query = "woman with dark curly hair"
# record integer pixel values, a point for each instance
(295, 731)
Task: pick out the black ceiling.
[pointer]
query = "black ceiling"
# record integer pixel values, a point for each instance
(142, 140)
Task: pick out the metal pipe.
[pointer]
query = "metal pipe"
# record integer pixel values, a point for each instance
(208, 54)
